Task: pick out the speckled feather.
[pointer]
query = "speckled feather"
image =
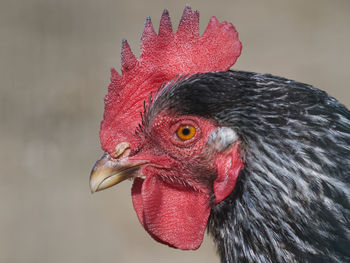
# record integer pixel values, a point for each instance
(292, 199)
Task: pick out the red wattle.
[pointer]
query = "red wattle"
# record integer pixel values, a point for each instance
(228, 167)
(174, 216)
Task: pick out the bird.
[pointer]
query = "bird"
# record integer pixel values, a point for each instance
(261, 162)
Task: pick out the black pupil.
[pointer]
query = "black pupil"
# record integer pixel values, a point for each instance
(185, 131)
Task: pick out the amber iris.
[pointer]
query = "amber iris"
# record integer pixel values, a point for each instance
(186, 132)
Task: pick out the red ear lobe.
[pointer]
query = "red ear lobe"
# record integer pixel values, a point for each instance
(228, 164)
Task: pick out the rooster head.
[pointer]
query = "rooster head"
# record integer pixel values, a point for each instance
(180, 163)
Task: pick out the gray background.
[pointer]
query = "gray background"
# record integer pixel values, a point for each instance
(54, 67)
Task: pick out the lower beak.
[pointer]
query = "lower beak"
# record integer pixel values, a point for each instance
(109, 171)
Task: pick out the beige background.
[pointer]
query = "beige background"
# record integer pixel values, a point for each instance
(54, 67)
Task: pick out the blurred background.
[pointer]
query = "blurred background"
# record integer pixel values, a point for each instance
(55, 57)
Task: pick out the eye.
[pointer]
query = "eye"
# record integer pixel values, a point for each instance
(186, 132)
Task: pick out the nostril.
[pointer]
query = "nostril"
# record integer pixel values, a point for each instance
(122, 150)
(126, 153)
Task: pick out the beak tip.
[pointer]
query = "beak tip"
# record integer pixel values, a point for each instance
(93, 187)
(108, 171)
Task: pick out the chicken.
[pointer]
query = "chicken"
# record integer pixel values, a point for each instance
(260, 161)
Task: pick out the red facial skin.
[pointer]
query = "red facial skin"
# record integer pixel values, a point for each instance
(173, 202)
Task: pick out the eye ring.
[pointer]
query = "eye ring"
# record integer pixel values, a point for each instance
(185, 132)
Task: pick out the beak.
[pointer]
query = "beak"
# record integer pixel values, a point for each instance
(109, 171)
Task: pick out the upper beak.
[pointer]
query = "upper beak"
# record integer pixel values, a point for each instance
(109, 171)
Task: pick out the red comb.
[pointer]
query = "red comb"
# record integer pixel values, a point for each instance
(163, 57)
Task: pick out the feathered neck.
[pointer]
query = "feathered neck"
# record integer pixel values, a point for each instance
(291, 203)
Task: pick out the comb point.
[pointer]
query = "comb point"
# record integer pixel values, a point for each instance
(213, 20)
(128, 58)
(189, 23)
(212, 27)
(114, 75)
(187, 9)
(165, 26)
(148, 22)
(148, 34)
(165, 12)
